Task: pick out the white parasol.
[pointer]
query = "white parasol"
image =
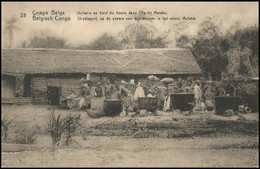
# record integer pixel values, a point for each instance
(167, 80)
(152, 77)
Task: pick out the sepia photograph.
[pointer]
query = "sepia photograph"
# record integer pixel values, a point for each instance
(129, 84)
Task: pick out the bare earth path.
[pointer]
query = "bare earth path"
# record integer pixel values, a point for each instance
(160, 152)
(215, 150)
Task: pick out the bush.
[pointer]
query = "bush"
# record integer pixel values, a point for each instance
(24, 135)
(5, 124)
(58, 127)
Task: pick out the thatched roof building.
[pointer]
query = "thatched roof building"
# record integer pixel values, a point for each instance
(135, 61)
(33, 73)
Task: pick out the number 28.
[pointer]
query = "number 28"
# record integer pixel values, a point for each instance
(22, 15)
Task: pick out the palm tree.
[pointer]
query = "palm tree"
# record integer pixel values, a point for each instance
(10, 26)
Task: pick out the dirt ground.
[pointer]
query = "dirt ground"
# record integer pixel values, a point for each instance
(228, 149)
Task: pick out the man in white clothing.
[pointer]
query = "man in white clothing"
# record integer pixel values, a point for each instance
(197, 95)
(139, 92)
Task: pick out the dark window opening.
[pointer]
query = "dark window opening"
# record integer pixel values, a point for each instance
(27, 86)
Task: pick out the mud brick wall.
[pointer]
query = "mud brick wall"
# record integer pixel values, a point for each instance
(68, 85)
(39, 90)
(7, 88)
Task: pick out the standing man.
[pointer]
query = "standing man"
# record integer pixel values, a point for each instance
(189, 88)
(126, 97)
(167, 99)
(197, 95)
(99, 90)
(87, 94)
(139, 92)
(179, 88)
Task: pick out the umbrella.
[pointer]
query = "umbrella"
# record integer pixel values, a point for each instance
(123, 82)
(132, 81)
(167, 80)
(152, 77)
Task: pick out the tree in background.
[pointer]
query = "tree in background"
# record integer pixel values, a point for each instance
(142, 34)
(185, 41)
(210, 28)
(234, 57)
(10, 27)
(134, 36)
(243, 51)
(234, 53)
(103, 42)
(139, 35)
(181, 32)
(247, 39)
(46, 42)
(210, 49)
(24, 44)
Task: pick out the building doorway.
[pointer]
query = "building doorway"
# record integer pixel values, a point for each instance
(7, 89)
(27, 86)
(53, 95)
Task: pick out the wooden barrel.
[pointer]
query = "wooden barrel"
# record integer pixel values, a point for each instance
(182, 101)
(148, 103)
(112, 107)
(223, 103)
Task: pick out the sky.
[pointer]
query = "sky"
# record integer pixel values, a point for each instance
(77, 32)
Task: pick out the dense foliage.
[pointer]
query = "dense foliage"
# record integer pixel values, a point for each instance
(46, 42)
(232, 53)
(103, 42)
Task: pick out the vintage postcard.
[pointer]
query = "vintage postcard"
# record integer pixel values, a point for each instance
(129, 84)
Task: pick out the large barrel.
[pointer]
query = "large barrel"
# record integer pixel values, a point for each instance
(223, 103)
(112, 107)
(182, 101)
(148, 103)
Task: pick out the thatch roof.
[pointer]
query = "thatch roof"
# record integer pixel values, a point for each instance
(135, 61)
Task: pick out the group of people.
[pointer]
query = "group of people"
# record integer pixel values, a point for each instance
(108, 90)
(204, 92)
(177, 87)
(129, 92)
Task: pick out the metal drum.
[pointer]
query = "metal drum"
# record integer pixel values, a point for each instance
(223, 103)
(112, 107)
(252, 102)
(182, 101)
(148, 103)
